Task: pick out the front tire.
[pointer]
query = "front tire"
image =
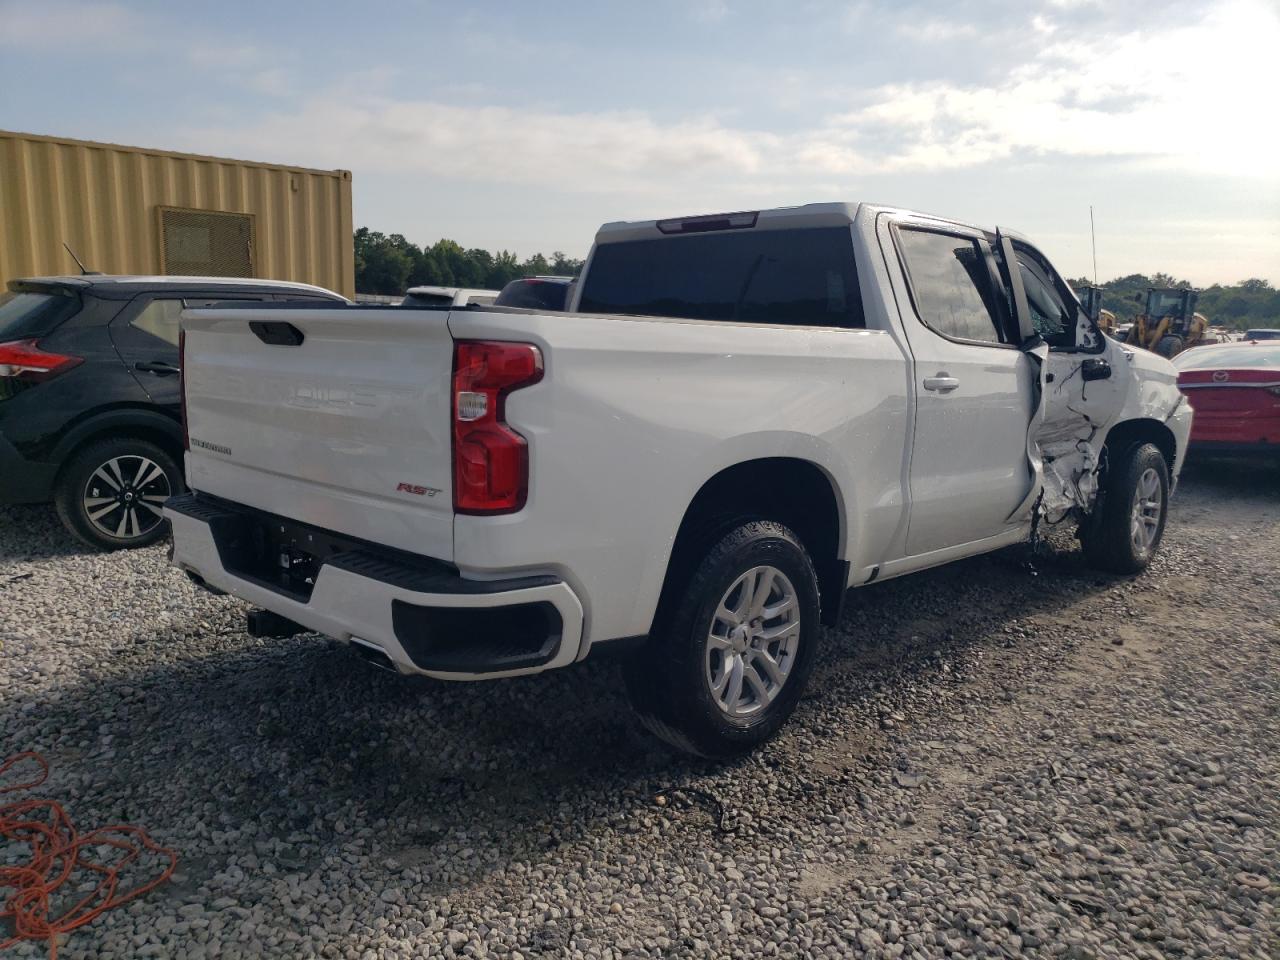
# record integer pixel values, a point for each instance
(731, 651)
(110, 493)
(1126, 534)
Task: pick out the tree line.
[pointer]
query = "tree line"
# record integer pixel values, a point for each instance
(391, 264)
(1249, 303)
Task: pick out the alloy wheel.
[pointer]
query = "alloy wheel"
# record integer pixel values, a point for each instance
(1144, 518)
(124, 495)
(752, 645)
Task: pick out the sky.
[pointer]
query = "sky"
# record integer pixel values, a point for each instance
(524, 127)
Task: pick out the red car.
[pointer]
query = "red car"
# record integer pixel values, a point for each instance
(1234, 389)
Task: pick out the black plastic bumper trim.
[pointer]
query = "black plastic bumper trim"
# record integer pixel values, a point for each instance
(386, 565)
(515, 636)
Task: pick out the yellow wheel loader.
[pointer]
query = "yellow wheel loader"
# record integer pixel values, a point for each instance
(1169, 324)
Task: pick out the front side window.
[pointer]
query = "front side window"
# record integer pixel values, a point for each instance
(949, 284)
(1049, 315)
(800, 277)
(1057, 316)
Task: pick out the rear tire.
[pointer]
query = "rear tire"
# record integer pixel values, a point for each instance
(110, 493)
(1126, 534)
(732, 649)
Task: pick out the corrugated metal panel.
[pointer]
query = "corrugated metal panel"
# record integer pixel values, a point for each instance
(106, 200)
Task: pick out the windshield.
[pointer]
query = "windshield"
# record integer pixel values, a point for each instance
(1262, 335)
(1233, 357)
(31, 314)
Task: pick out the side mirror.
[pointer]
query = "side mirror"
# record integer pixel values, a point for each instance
(1095, 369)
(1139, 298)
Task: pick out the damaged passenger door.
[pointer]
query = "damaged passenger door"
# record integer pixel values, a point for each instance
(1082, 389)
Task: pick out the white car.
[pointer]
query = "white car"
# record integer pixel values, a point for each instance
(447, 296)
(740, 417)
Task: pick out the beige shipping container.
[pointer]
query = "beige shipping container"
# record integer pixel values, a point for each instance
(138, 211)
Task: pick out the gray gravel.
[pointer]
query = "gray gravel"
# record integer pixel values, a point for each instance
(992, 761)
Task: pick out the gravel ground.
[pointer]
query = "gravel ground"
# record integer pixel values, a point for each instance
(993, 760)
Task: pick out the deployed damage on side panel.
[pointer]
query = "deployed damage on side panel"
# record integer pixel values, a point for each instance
(1087, 385)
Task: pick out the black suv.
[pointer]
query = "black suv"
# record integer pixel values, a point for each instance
(90, 408)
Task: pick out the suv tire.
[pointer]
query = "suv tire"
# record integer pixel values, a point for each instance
(729, 655)
(110, 492)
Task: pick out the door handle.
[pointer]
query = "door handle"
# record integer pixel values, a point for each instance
(158, 367)
(941, 383)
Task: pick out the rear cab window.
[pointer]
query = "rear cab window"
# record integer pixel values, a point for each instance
(798, 277)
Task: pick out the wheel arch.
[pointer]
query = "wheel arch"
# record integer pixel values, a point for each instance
(795, 492)
(137, 422)
(1129, 433)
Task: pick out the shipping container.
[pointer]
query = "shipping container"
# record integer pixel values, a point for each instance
(139, 211)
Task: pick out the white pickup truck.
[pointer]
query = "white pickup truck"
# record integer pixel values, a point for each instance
(739, 417)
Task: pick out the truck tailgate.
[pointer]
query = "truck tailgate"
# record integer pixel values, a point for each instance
(348, 429)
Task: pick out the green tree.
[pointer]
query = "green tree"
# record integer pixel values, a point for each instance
(392, 264)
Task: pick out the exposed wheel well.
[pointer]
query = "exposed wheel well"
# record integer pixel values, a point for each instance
(793, 492)
(1144, 430)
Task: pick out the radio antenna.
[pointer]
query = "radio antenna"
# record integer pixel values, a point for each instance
(83, 270)
(1093, 239)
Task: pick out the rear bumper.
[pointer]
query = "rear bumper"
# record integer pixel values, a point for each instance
(23, 480)
(1215, 428)
(423, 615)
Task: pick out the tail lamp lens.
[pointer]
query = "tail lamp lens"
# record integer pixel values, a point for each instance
(24, 360)
(490, 460)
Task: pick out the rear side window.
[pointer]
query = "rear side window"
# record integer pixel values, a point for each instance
(24, 315)
(950, 283)
(161, 318)
(798, 277)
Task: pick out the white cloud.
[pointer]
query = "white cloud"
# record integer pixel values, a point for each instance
(55, 23)
(1186, 98)
(709, 11)
(588, 152)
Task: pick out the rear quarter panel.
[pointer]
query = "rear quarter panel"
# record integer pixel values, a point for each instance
(634, 415)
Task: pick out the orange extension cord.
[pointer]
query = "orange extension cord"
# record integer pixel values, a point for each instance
(58, 853)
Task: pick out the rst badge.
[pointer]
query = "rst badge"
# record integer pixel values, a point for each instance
(417, 490)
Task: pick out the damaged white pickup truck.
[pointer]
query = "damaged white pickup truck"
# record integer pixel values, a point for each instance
(739, 417)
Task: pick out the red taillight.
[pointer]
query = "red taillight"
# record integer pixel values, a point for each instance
(24, 360)
(490, 460)
(182, 385)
